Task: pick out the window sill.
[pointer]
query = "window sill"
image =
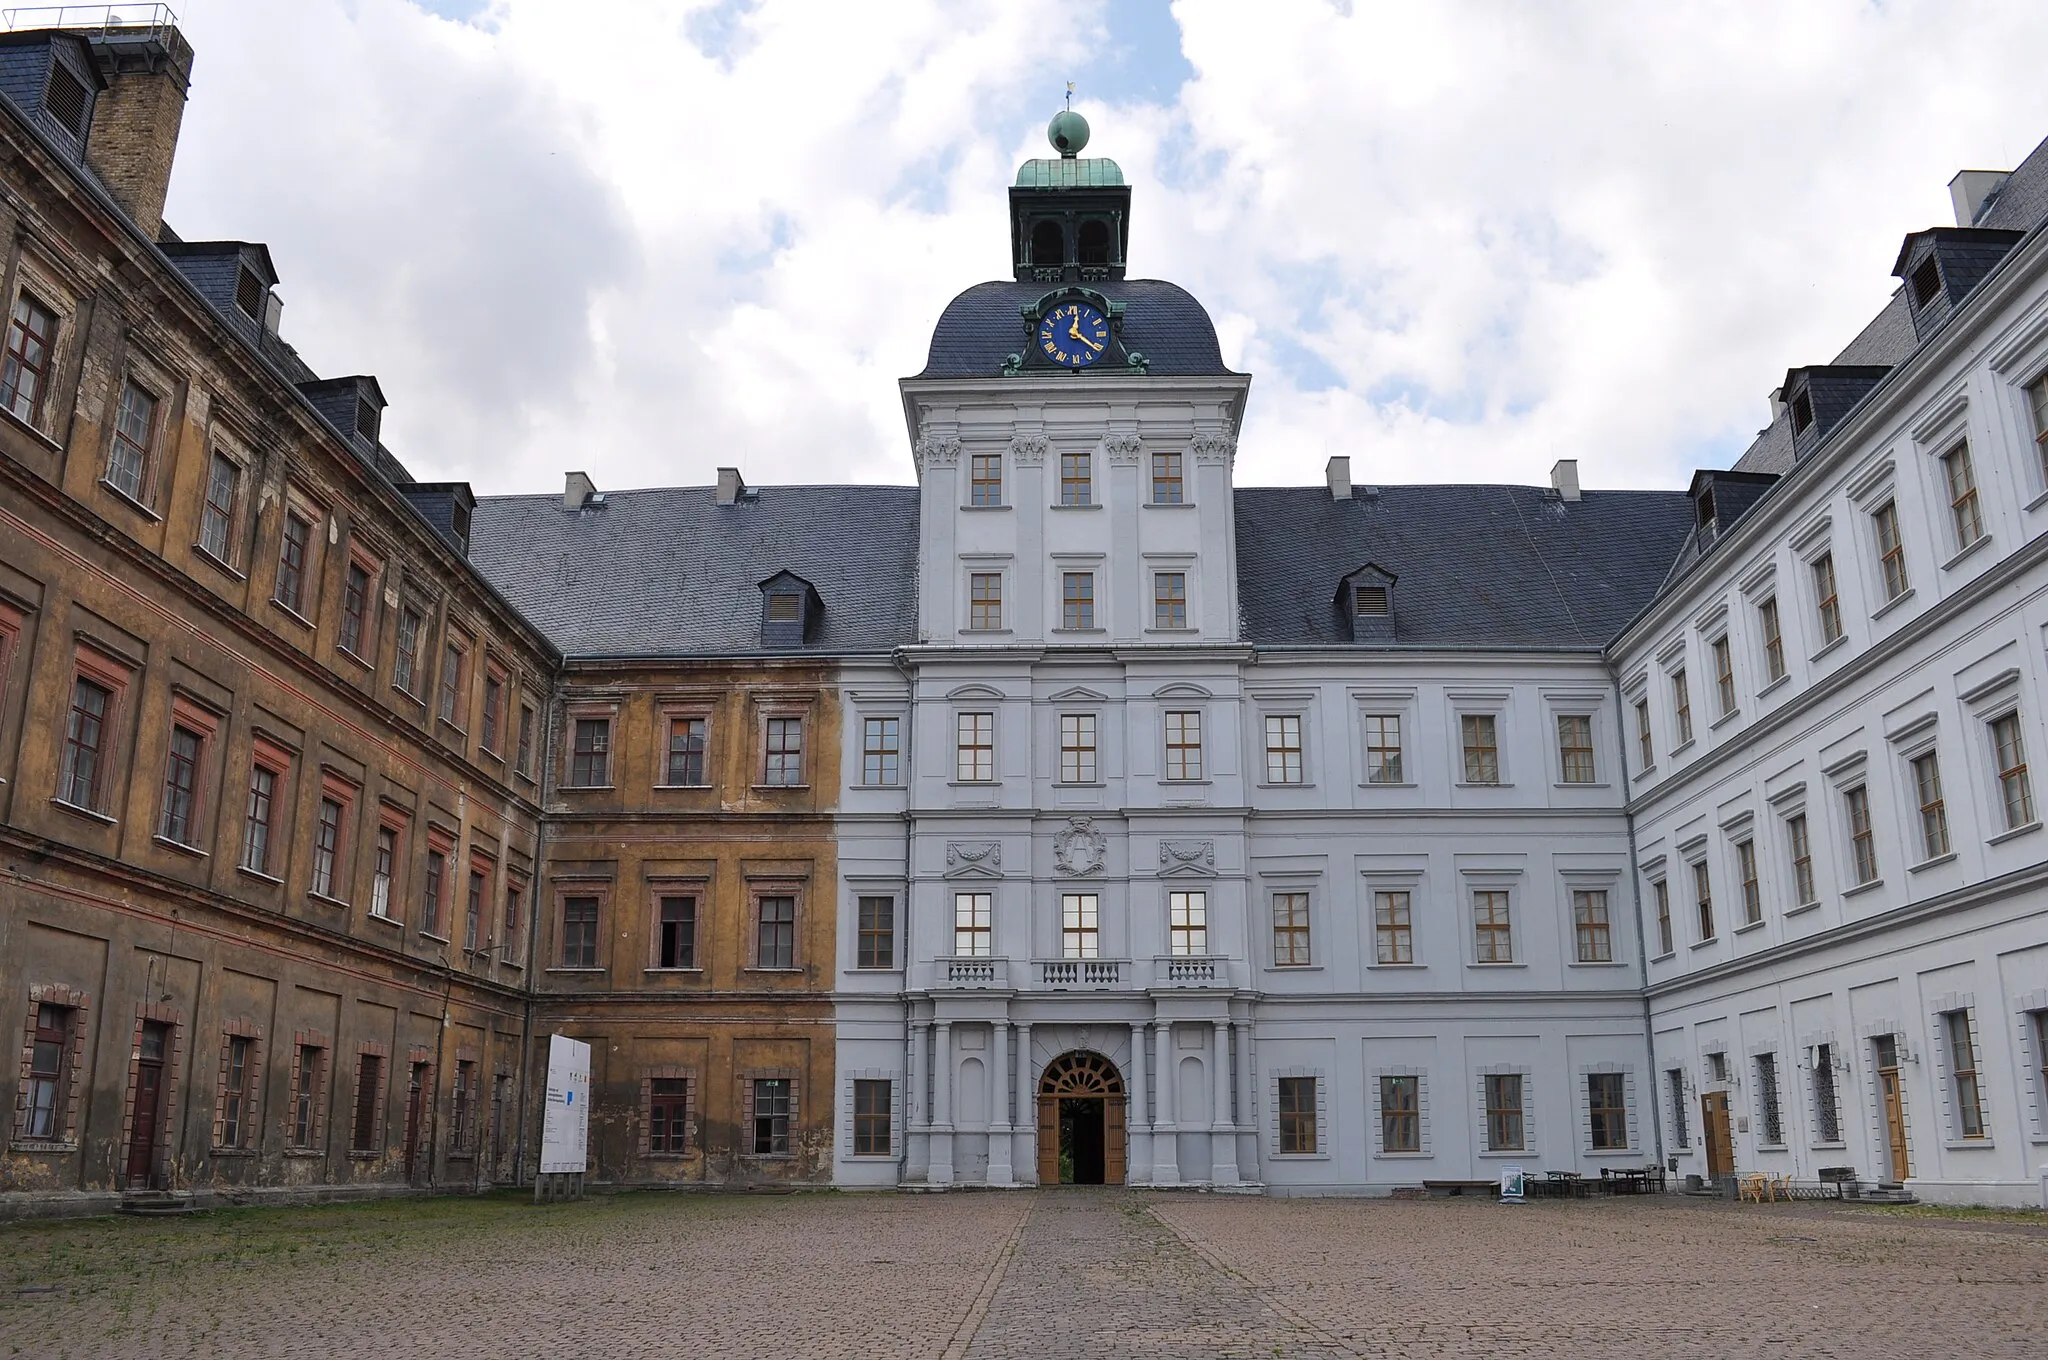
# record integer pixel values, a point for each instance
(1285, 784)
(75, 810)
(1580, 784)
(1779, 1146)
(305, 1152)
(221, 565)
(1490, 784)
(232, 1152)
(1862, 888)
(582, 788)
(324, 900)
(1646, 771)
(1097, 505)
(700, 788)
(1509, 964)
(1507, 1152)
(257, 874)
(449, 723)
(1390, 784)
(191, 851)
(987, 632)
(778, 788)
(2037, 502)
(1298, 967)
(870, 1156)
(2002, 837)
(1400, 967)
(1680, 749)
(880, 968)
(1166, 505)
(1802, 908)
(1968, 1144)
(1963, 553)
(1301, 1156)
(32, 428)
(350, 654)
(1887, 607)
(137, 506)
(1667, 954)
(657, 968)
(1187, 783)
(974, 783)
(402, 692)
(42, 1146)
(294, 615)
(1828, 1147)
(767, 1156)
(1082, 632)
(1596, 963)
(384, 920)
(1417, 1156)
(365, 1154)
(1934, 863)
(787, 972)
(1707, 943)
(1841, 641)
(1748, 926)
(1171, 632)
(1079, 784)
(430, 935)
(984, 509)
(1767, 689)
(1732, 715)
(565, 968)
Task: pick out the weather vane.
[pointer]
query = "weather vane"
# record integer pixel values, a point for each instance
(1070, 94)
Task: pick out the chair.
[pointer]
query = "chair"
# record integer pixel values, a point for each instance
(1752, 1188)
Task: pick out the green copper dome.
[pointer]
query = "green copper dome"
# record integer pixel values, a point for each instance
(1068, 132)
(1100, 172)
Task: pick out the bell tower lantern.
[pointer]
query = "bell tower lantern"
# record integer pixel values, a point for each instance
(1070, 217)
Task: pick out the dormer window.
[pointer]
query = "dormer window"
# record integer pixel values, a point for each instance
(249, 294)
(1365, 601)
(1370, 602)
(1926, 281)
(366, 415)
(65, 98)
(1802, 412)
(790, 610)
(1704, 507)
(786, 608)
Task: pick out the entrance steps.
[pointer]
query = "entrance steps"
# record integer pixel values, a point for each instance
(159, 1203)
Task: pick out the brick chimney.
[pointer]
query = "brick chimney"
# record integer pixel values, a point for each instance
(134, 136)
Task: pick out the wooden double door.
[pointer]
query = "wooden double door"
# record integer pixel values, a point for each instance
(1082, 1135)
(146, 1121)
(1720, 1146)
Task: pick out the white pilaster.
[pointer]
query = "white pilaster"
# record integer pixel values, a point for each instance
(999, 1113)
(1165, 1133)
(942, 1107)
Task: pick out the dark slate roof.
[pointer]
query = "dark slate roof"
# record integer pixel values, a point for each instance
(672, 572)
(1476, 566)
(984, 326)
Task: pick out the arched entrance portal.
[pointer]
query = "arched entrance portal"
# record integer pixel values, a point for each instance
(1081, 1121)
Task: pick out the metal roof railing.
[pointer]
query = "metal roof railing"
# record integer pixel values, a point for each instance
(123, 21)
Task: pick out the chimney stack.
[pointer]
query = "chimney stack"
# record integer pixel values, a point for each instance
(1564, 478)
(731, 487)
(577, 491)
(134, 135)
(1338, 474)
(1970, 190)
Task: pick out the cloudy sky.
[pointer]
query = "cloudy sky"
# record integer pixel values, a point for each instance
(645, 238)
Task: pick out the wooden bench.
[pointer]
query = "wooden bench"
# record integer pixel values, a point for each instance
(1446, 1189)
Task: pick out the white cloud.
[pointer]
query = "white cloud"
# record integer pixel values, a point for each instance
(1455, 241)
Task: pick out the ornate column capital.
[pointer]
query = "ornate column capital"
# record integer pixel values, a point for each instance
(1029, 450)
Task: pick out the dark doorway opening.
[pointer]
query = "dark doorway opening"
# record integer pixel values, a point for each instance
(1094, 244)
(1048, 244)
(1081, 1141)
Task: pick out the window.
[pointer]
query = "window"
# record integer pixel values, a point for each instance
(291, 562)
(327, 845)
(1298, 1115)
(975, 757)
(985, 600)
(1482, 748)
(1802, 858)
(217, 515)
(2014, 792)
(1675, 1080)
(1383, 748)
(237, 1066)
(1590, 925)
(784, 763)
(590, 754)
(1826, 603)
(24, 372)
(508, 943)
(355, 606)
(775, 931)
(85, 744)
(44, 1106)
(771, 1116)
(668, 1116)
(134, 434)
(686, 751)
(579, 932)
(181, 786)
(1724, 674)
(881, 751)
(871, 1118)
(985, 479)
(305, 1112)
(1863, 844)
(1962, 1071)
(1077, 600)
(1575, 747)
(1827, 1108)
(1681, 705)
(405, 671)
(1290, 930)
(1604, 1100)
(1400, 1121)
(1717, 1066)
(1183, 745)
(1077, 748)
(875, 929)
(380, 875)
(1752, 893)
(1187, 923)
(1891, 549)
(65, 97)
(676, 944)
(1645, 746)
(1492, 937)
(1283, 749)
(1774, 639)
(249, 294)
(473, 911)
(494, 704)
(524, 761)
(785, 607)
(2037, 406)
(1926, 281)
(1504, 1129)
(1076, 479)
(1080, 925)
(462, 1123)
(1370, 602)
(1392, 928)
(1169, 599)
(1166, 479)
(1933, 811)
(454, 661)
(1964, 509)
(363, 1135)
(971, 934)
(1770, 1116)
(430, 891)
(1703, 899)
(1661, 891)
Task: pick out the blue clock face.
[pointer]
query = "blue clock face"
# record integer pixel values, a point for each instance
(1073, 335)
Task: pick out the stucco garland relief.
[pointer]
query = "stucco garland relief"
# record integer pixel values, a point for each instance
(1124, 450)
(1029, 450)
(1187, 857)
(974, 857)
(1080, 849)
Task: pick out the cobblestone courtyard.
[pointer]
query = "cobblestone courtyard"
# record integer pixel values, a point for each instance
(1052, 1274)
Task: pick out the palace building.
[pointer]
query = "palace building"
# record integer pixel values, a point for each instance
(1072, 815)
